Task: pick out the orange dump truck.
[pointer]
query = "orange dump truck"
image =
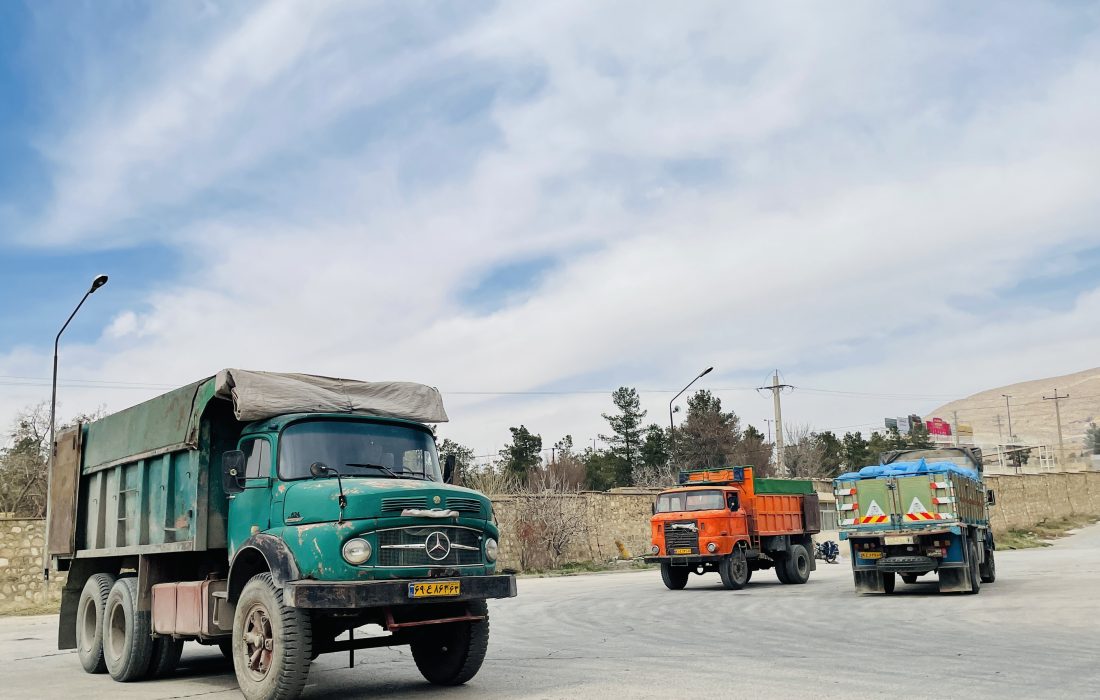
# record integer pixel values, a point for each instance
(724, 520)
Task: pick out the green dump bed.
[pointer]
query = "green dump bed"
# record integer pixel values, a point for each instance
(784, 486)
(142, 481)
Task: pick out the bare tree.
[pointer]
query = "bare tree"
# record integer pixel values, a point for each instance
(491, 480)
(551, 516)
(803, 454)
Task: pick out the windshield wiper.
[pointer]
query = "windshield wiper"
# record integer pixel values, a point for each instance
(373, 466)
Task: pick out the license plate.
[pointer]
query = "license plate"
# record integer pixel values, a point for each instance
(870, 555)
(434, 589)
(682, 550)
(903, 539)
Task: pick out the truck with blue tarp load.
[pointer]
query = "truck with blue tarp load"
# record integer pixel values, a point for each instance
(920, 512)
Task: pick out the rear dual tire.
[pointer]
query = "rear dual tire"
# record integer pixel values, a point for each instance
(127, 634)
(90, 614)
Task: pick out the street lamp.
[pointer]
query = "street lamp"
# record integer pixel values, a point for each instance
(98, 282)
(671, 425)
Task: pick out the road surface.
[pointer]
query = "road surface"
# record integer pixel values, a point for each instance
(1034, 633)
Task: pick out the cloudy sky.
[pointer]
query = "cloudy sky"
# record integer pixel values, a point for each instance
(529, 204)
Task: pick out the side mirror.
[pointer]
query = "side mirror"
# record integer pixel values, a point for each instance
(450, 469)
(990, 498)
(233, 471)
(653, 507)
(318, 469)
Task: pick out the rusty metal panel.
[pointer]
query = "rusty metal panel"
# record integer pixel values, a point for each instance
(164, 608)
(64, 483)
(189, 607)
(210, 616)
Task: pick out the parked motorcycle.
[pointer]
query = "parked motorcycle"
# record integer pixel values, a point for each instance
(827, 550)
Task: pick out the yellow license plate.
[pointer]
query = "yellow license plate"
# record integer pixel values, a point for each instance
(870, 555)
(682, 550)
(434, 589)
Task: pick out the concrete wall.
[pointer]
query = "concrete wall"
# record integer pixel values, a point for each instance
(21, 585)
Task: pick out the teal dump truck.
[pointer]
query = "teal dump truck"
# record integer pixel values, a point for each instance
(919, 512)
(270, 515)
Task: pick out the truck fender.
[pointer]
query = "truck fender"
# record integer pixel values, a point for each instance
(261, 553)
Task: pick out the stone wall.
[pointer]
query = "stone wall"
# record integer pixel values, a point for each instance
(620, 516)
(1028, 499)
(21, 585)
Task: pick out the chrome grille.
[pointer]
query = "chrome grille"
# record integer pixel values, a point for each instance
(400, 504)
(682, 534)
(464, 505)
(406, 547)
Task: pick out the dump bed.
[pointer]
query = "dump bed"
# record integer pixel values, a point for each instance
(142, 481)
(910, 495)
(785, 514)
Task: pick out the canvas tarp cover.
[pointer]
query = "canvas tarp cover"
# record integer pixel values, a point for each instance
(260, 395)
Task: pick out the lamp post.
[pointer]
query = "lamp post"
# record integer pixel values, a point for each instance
(98, 282)
(671, 424)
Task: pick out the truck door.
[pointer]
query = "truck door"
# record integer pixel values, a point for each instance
(877, 506)
(250, 510)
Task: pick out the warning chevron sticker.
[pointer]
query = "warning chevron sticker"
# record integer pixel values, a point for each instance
(916, 506)
(875, 509)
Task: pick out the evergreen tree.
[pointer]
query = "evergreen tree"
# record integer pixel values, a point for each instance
(708, 436)
(626, 431)
(655, 447)
(832, 453)
(856, 452)
(753, 450)
(524, 454)
(1092, 439)
(464, 456)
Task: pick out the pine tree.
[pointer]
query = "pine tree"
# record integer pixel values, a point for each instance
(524, 454)
(626, 432)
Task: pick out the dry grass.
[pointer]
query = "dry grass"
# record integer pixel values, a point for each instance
(1039, 535)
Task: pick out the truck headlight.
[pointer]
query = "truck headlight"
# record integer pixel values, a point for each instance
(656, 549)
(490, 550)
(712, 547)
(356, 551)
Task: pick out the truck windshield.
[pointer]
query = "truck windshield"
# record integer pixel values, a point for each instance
(683, 501)
(358, 449)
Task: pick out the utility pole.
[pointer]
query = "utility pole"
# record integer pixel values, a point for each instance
(1008, 408)
(1058, 416)
(776, 388)
(1000, 434)
(955, 416)
(769, 421)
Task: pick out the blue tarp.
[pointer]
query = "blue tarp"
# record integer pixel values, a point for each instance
(909, 469)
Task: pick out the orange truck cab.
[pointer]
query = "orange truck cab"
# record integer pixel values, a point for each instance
(725, 521)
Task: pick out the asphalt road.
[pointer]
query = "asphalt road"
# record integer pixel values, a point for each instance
(1034, 633)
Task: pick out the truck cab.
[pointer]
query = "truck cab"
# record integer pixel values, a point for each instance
(727, 521)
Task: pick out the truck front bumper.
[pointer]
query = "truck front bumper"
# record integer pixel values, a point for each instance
(374, 594)
(685, 559)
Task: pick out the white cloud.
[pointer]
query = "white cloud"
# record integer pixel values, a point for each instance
(866, 186)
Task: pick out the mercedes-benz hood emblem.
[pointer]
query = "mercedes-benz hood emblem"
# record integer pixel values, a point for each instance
(438, 546)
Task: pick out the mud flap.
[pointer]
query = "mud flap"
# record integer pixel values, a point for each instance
(955, 580)
(868, 582)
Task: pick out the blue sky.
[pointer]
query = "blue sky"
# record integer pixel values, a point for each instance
(507, 197)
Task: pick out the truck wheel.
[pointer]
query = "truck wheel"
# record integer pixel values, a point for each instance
(909, 578)
(989, 568)
(748, 577)
(888, 583)
(798, 565)
(165, 657)
(127, 634)
(675, 577)
(781, 569)
(975, 574)
(734, 570)
(89, 622)
(451, 654)
(272, 643)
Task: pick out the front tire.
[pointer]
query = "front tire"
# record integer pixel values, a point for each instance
(734, 570)
(675, 577)
(90, 612)
(272, 643)
(127, 638)
(452, 654)
(909, 578)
